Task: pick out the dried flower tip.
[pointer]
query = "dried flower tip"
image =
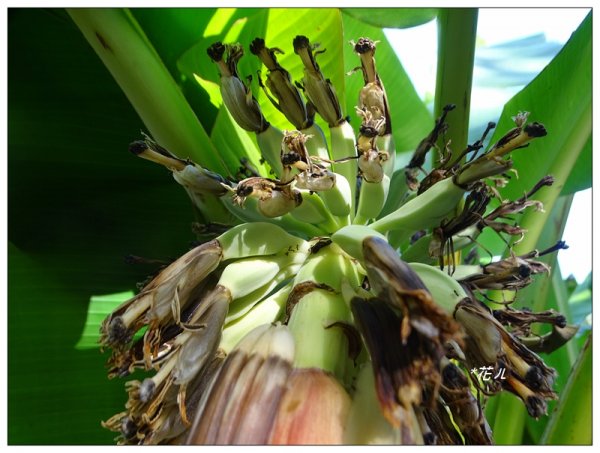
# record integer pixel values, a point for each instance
(484, 341)
(372, 98)
(516, 138)
(418, 157)
(317, 180)
(520, 118)
(479, 169)
(393, 280)
(465, 408)
(274, 199)
(401, 369)
(283, 94)
(365, 48)
(198, 181)
(536, 406)
(294, 154)
(216, 52)
(140, 148)
(521, 320)
(370, 165)
(155, 302)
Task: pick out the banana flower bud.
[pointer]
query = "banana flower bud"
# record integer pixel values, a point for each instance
(313, 410)
(242, 403)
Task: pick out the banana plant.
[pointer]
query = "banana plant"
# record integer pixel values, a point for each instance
(341, 265)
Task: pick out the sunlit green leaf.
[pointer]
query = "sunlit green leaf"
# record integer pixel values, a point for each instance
(559, 98)
(392, 18)
(100, 307)
(571, 422)
(235, 144)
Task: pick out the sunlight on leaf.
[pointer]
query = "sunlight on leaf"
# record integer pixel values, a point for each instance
(219, 21)
(100, 307)
(234, 143)
(234, 32)
(213, 90)
(393, 18)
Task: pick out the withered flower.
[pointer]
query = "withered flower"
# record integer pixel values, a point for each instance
(511, 273)
(154, 303)
(372, 96)
(405, 333)
(283, 93)
(490, 344)
(319, 90)
(237, 96)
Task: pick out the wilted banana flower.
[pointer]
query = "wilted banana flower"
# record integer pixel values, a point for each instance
(203, 186)
(492, 162)
(237, 97)
(507, 208)
(511, 273)
(372, 96)
(153, 306)
(405, 333)
(489, 344)
(274, 197)
(474, 207)
(450, 163)
(370, 158)
(298, 166)
(520, 322)
(283, 94)
(186, 360)
(418, 158)
(319, 90)
(466, 410)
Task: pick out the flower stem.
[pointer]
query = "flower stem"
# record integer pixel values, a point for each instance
(457, 29)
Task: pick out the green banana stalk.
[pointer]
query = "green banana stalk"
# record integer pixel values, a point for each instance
(343, 153)
(269, 142)
(372, 199)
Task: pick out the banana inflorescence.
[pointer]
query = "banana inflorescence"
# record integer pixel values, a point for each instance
(303, 322)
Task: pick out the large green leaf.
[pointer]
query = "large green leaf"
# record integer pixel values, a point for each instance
(560, 98)
(571, 422)
(78, 203)
(393, 18)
